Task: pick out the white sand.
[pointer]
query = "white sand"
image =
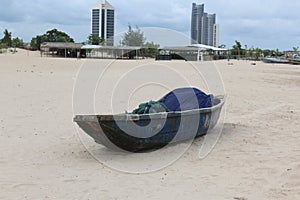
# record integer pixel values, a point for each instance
(257, 157)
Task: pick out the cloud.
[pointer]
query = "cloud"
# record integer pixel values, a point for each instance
(260, 23)
(40, 11)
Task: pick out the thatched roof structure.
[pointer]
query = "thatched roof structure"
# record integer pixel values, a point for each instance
(61, 45)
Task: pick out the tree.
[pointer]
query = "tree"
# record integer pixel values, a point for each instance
(57, 36)
(150, 49)
(16, 42)
(7, 38)
(133, 37)
(8, 41)
(296, 49)
(95, 39)
(278, 52)
(151, 45)
(237, 49)
(50, 36)
(222, 46)
(2, 46)
(251, 52)
(258, 53)
(37, 41)
(246, 51)
(266, 52)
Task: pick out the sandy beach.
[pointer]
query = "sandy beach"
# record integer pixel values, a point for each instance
(42, 157)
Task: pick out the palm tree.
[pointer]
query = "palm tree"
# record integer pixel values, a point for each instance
(278, 53)
(258, 53)
(7, 38)
(296, 49)
(237, 47)
(246, 51)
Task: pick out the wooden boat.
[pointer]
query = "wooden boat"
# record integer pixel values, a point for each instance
(295, 61)
(275, 60)
(149, 131)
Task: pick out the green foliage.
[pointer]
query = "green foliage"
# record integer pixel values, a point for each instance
(253, 53)
(50, 36)
(237, 45)
(95, 40)
(222, 46)
(250, 53)
(133, 37)
(150, 49)
(16, 42)
(3, 46)
(237, 50)
(151, 45)
(278, 53)
(7, 41)
(258, 53)
(57, 36)
(295, 49)
(37, 41)
(266, 52)
(34, 43)
(7, 38)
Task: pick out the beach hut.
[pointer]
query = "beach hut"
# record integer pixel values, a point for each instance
(111, 52)
(62, 49)
(195, 52)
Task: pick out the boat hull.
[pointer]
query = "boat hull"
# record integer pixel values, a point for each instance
(136, 133)
(295, 61)
(275, 60)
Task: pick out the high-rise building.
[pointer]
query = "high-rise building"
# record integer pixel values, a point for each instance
(103, 21)
(204, 29)
(216, 35)
(197, 21)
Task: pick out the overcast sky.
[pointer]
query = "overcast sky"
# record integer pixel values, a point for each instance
(265, 24)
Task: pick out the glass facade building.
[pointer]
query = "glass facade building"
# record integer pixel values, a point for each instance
(203, 26)
(103, 22)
